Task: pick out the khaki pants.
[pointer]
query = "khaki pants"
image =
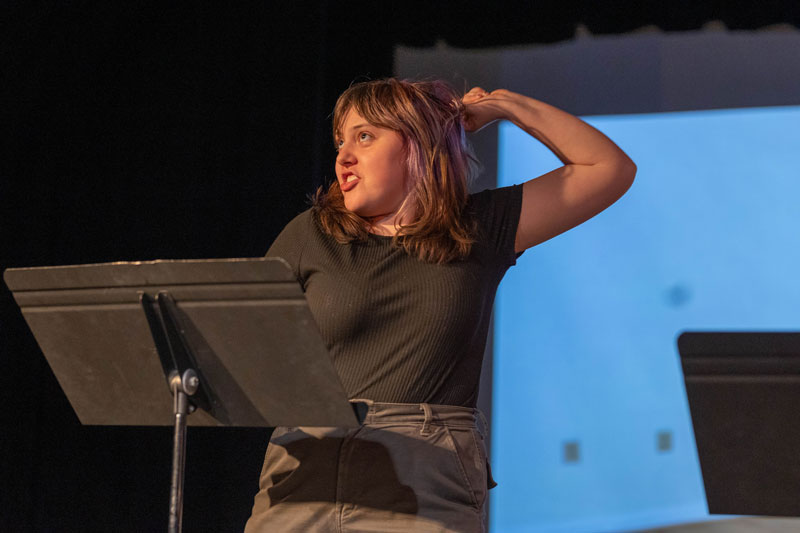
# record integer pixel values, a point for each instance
(409, 468)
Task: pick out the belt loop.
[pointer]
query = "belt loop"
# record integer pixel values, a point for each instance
(364, 409)
(428, 417)
(483, 421)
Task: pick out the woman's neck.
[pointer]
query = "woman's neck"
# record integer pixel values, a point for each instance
(384, 225)
(389, 223)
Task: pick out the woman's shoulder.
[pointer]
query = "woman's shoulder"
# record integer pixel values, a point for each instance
(292, 238)
(301, 224)
(498, 200)
(496, 213)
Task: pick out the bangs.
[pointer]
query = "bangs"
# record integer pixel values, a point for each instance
(375, 101)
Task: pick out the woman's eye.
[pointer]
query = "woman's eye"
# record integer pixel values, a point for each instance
(362, 136)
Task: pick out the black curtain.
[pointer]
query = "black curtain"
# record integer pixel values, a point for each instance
(143, 130)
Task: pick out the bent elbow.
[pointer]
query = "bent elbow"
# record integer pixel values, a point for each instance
(633, 169)
(624, 174)
(627, 173)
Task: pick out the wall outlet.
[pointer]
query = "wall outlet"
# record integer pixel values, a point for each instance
(572, 452)
(664, 441)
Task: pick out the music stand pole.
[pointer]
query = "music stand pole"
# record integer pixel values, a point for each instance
(182, 388)
(179, 365)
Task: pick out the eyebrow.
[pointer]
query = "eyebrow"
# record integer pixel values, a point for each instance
(362, 125)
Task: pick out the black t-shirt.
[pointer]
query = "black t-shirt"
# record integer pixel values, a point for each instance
(400, 329)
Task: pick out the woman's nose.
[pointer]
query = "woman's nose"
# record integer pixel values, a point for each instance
(345, 156)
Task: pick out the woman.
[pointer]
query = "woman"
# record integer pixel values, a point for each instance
(400, 266)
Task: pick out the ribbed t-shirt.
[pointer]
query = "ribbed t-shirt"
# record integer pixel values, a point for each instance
(397, 328)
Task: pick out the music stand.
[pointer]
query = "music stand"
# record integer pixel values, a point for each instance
(234, 339)
(744, 391)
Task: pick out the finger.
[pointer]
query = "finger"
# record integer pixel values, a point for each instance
(476, 92)
(474, 95)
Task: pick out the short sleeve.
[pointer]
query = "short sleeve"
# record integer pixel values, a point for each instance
(497, 213)
(291, 241)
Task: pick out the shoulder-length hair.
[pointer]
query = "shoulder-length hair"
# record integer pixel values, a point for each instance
(440, 163)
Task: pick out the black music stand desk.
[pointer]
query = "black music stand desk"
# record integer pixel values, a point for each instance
(233, 338)
(744, 395)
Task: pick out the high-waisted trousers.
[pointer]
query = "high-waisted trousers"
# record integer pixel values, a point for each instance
(410, 468)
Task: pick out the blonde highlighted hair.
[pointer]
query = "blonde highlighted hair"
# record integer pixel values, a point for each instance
(440, 164)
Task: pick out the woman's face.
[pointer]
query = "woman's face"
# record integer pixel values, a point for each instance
(371, 169)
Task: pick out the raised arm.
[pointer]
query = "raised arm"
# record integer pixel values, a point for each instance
(596, 172)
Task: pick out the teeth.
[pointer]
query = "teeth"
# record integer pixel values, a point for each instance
(351, 177)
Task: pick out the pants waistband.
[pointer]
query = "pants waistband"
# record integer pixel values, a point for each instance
(421, 413)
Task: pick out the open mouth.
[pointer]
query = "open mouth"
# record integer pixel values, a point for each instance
(350, 181)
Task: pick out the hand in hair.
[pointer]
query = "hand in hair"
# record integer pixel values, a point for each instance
(481, 108)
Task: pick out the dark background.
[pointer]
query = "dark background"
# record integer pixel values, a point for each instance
(144, 130)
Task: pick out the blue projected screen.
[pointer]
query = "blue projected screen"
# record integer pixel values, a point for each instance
(591, 429)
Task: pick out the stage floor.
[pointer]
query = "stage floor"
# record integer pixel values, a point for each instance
(750, 524)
